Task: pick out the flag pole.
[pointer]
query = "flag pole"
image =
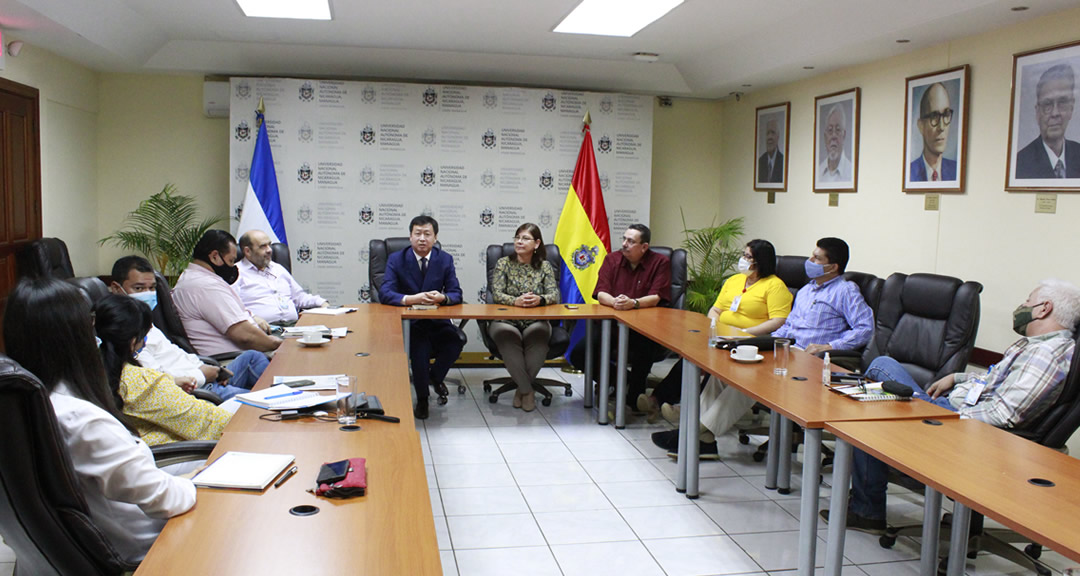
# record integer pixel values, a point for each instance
(261, 109)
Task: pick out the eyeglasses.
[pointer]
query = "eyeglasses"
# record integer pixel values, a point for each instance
(1064, 104)
(748, 256)
(937, 118)
(523, 239)
(834, 130)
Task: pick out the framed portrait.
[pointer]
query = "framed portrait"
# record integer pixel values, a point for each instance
(771, 147)
(935, 131)
(1044, 143)
(836, 141)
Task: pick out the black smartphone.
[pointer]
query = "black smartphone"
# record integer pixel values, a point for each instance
(298, 383)
(333, 472)
(223, 375)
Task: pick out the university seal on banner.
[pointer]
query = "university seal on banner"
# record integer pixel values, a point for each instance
(487, 179)
(303, 253)
(487, 217)
(547, 104)
(367, 175)
(367, 135)
(604, 144)
(303, 174)
(428, 138)
(490, 99)
(367, 215)
(488, 140)
(427, 177)
(242, 172)
(431, 97)
(303, 215)
(243, 90)
(482, 256)
(238, 212)
(546, 180)
(604, 181)
(606, 106)
(307, 92)
(584, 257)
(364, 293)
(545, 218)
(481, 294)
(306, 132)
(427, 210)
(242, 131)
(547, 142)
(365, 254)
(367, 95)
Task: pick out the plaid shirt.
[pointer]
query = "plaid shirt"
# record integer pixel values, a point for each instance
(1020, 387)
(833, 313)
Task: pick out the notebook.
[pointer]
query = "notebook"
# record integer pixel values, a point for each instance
(243, 470)
(282, 397)
(329, 311)
(870, 392)
(322, 382)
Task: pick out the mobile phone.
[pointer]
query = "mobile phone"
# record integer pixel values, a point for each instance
(333, 472)
(298, 383)
(571, 307)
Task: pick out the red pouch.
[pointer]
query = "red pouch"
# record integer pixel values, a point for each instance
(352, 485)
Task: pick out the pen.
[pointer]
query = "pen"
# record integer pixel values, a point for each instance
(293, 393)
(285, 477)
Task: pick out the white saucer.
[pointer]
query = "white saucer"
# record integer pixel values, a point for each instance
(758, 358)
(314, 344)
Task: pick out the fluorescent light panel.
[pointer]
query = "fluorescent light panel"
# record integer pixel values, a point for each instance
(295, 9)
(614, 17)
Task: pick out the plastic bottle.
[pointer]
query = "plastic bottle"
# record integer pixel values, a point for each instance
(712, 334)
(826, 371)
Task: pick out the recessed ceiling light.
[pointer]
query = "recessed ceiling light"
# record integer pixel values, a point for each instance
(1019, 8)
(614, 17)
(903, 41)
(295, 9)
(807, 67)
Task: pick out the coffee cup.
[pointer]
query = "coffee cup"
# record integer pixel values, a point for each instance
(744, 353)
(312, 337)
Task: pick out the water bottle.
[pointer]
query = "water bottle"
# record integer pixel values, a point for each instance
(826, 371)
(712, 334)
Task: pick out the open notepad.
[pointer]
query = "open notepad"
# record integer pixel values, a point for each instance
(329, 311)
(243, 470)
(282, 397)
(869, 392)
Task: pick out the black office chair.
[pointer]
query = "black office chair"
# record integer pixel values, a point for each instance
(380, 251)
(45, 257)
(557, 342)
(280, 253)
(792, 270)
(43, 514)
(92, 288)
(167, 319)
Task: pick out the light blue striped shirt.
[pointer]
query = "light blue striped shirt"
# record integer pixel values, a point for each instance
(833, 313)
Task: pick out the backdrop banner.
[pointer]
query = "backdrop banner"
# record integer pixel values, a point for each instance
(358, 160)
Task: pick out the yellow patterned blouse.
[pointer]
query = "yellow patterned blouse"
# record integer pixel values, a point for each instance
(162, 412)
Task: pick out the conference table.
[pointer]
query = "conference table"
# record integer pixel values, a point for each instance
(1032, 491)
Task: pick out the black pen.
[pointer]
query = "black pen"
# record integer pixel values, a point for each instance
(285, 477)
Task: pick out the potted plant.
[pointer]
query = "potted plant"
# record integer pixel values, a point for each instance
(164, 228)
(711, 255)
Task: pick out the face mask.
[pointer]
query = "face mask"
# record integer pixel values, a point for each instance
(149, 297)
(228, 273)
(743, 266)
(98, 341)
(1022, 316)
(814, 270)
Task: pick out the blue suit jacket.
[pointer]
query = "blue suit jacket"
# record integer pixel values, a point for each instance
(403, 277)
(918, 170)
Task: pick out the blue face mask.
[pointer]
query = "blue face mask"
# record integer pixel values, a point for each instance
(98, 341)
(149, 297)
(814, 270)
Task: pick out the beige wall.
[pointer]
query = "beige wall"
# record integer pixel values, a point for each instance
(985, 234)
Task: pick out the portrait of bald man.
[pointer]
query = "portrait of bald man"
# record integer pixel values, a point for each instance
(771, 138)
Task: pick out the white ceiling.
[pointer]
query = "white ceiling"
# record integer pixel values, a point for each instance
(708, 48)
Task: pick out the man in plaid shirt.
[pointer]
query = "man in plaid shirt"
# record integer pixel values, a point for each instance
(1014, 392)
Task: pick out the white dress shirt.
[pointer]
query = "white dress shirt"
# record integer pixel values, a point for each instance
(128, 496)
(272, 294)
(841, 174)
(164, 356)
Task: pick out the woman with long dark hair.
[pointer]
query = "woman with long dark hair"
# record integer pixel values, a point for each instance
(527, 280)
(48, 329)
(159, 409)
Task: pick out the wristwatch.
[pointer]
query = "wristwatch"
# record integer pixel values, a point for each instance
(636, 304)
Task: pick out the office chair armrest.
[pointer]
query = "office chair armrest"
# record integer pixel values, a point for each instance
(209, 361)
(224, 357)
(207, 395)
(850, 360)
(461, 326)
(178, 452)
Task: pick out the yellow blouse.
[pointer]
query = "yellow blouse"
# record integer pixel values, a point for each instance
(162, 412)
(766, 299)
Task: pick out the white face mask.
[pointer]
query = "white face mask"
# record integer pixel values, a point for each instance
(743, 266)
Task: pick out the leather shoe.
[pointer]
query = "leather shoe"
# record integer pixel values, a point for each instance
(860, 523)
(440, 389)
(421, 410)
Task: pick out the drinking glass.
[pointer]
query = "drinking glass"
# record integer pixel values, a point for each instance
(781, 352)
(346, 407)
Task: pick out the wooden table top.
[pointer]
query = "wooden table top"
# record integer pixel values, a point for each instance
(497, 312)
(953, 459)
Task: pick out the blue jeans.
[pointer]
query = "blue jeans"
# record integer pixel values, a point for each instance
(246, 369)
(870, 476)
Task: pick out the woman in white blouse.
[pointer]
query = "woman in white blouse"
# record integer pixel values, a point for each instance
(48, 329)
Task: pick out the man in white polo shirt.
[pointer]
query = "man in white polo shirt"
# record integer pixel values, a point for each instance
(266, 287)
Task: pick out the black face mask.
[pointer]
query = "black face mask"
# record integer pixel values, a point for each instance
(227, 273)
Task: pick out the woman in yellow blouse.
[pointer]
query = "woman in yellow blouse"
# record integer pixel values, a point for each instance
(159, 409)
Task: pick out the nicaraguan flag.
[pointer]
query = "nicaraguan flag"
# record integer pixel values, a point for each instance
(262, 204)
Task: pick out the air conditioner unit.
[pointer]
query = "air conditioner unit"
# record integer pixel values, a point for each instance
(216, 99)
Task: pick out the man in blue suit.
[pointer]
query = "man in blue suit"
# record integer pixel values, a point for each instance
(424, 274)
(935, 117)
(1051, 155)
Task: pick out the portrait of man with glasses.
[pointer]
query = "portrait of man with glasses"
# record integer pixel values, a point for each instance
(1052, 155)
(935, 118)
(935, 122)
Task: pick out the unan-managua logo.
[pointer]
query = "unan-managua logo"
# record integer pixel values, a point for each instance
(427, 177)
(243, 132)
(367, 135)
(481, 295)
(604, 181)
(487, 217)
(604, 144)
(307, 92)
(303, 253)
(427, 210)
(547, 104)
(364, 293)
(303, 174)
(243, 90)
(367, 215)
(428, 138)
(238, 212)
(365, 254)
(367, 95)
(482, 256)
(367, 175)
(546, 180)
(606, 106)
(303, 215)
(584, 257)
(242, 172)
(547, 142)
(490, 99)
(488, 140)
(545, 218)
(431, 97)
(306, 133)
(487, 179)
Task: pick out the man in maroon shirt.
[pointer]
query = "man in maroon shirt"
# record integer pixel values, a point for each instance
(635, 277)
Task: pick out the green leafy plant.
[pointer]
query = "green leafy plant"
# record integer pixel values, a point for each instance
(164, 228)
(711, 255)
